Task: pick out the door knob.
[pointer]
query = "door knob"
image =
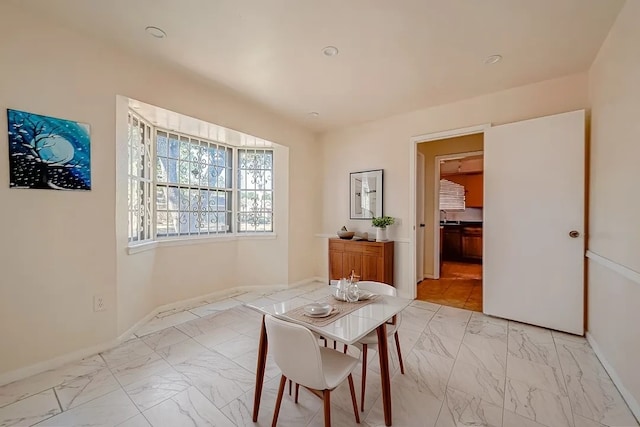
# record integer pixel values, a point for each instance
(574, 234)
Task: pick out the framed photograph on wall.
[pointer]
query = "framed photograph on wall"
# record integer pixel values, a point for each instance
(365, 194)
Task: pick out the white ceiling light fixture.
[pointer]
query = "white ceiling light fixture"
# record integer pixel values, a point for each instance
(330, 51)
(313, 114)
(493, 59)
(156, 32)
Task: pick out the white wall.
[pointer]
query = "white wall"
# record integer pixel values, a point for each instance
(59, 249)
(384, 144)
(614, 233)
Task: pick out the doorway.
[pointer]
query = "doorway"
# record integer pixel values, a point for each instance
(454, 277)
(458, 204)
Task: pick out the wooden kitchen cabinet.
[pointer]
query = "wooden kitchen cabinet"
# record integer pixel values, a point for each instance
(451, 243)
(369, 260)
(461, 243)
(472, 243)
(473, 184)
(474, 190)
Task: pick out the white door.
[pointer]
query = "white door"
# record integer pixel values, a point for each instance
(420, 217)
(534, 221)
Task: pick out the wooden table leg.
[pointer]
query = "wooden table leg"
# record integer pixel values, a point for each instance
(262, 363)
(383, 354)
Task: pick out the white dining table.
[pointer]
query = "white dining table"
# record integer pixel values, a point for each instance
(348, 329)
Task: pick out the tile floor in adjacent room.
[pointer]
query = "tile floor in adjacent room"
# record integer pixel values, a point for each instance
(197, 367)
(460, 285)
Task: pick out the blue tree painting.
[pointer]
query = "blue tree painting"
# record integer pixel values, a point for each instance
(48, 153)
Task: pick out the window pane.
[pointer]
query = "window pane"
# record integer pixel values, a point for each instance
(183, 172)
(268, 180)
(173, 223)
(162, 144)
(161, 223)
(161, 169)
(184, 148)
(174, 146)
(171, 166)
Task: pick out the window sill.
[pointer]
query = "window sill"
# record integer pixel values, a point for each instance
(141, 247)
(181, 241)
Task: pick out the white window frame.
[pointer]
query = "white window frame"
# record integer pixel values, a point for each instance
(239, 190)
(153, 240)
(195, 186)
(146, 231)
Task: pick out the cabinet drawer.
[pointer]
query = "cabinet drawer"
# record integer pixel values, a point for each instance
(336, 246)
(354, 247)
(472, 231)
(373, 250)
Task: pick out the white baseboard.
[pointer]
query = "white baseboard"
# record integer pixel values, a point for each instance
(59, 361)
(626, 395)
(428, 276)
(47, 365)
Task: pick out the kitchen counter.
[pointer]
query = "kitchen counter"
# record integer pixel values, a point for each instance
(461, 223)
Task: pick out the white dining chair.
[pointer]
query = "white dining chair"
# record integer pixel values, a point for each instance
(319, 369)
(371, 339)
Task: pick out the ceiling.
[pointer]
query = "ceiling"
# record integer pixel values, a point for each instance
(394, 56)
(469, 164)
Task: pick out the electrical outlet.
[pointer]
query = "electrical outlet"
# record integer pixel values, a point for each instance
(98, 303)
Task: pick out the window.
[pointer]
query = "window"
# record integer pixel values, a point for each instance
(451, 196)
(140, 179)
(193, 186)
(192, 192)
(255, 190)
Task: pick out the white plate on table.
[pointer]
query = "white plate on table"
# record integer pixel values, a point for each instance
(320, 316)
(364, 295)
(318, 309)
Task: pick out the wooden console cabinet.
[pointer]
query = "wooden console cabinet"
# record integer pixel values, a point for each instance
(370, 260)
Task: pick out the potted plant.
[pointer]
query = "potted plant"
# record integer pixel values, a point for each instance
(381, 224)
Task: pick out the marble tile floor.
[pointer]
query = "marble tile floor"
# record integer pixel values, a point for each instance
(196, 368)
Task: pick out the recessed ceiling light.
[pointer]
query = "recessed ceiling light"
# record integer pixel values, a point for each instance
(156, 32)
(493, 59)
(314, 114)
(330, 51)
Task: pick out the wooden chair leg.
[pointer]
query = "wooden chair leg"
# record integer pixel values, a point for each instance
(283, 381)
(364, 376)
(297, 390)
(344, 349)
(399, 353)
(353, 399)
(326, 397)
(290, 387)
(335, 345)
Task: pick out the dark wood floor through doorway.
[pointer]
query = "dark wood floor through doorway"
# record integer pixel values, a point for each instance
(460, 285)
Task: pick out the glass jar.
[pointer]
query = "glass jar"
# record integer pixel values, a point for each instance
(353, 293)
(341, 289)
